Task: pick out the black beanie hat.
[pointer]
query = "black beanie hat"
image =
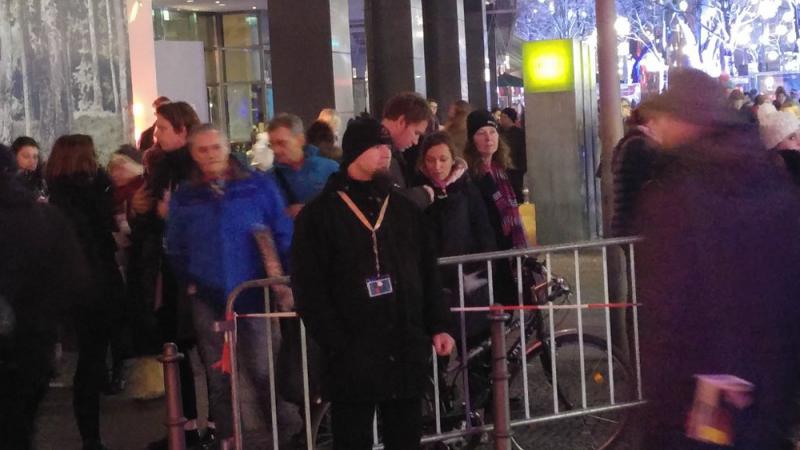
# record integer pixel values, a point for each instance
(360, 136)
(478, 119)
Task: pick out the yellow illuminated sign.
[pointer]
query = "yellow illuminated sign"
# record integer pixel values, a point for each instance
(548, 66)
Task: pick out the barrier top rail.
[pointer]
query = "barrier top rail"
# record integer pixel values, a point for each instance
(483, 257)
(450, 260)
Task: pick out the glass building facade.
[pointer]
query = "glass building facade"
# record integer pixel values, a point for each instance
(237, 61)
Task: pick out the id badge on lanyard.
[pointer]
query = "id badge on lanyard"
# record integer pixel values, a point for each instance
(380, 284)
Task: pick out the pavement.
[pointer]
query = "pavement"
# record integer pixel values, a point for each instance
(129, 424)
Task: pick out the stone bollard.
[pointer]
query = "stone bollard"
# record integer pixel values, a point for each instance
(176, 436)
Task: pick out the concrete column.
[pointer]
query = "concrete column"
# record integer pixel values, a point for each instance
(491, 38)
(311, 64)
(477, 53)
(395, 49)
(445, 50)
(143, 63)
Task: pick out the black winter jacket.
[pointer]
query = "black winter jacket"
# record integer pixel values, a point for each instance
(43, 273)
(458, 216)
(377, 348)
(401, 175)
(88, 203)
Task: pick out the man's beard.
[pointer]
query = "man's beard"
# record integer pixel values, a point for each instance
(382, 179)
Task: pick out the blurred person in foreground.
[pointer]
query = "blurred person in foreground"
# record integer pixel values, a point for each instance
(43, 275)
(718, 267)
(211, 243)
(366, 283)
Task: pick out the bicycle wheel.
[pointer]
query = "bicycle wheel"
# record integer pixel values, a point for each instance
(596, 431)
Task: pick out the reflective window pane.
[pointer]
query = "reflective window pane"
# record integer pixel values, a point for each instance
(240, 30)
(242, 65)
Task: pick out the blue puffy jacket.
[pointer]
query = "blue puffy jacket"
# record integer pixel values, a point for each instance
(210, 233)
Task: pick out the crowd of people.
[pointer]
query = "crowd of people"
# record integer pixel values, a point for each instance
(146, 251)
(165, 231)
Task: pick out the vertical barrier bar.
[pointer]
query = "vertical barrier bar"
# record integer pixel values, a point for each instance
(272, 390)
(553, 365)
(490, 279)
(635, 301)
(231, 336)
(436, 410)
(464, 352)
(580, 326)
(375, 440)
(502, 414)
(523, 341)
(306, 388)
(172, 387)
(609, 345)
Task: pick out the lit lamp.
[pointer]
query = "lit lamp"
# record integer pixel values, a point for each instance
(561, 142)
(548, 66)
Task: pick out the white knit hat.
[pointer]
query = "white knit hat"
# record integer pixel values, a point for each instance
(765, 110)
(776, 127)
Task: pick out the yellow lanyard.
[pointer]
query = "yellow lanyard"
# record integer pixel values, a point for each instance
(373, 229)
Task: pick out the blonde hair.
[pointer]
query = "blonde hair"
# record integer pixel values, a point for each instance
(331, 117)
(119, 160)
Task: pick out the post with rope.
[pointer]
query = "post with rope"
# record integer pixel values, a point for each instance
(502, 412)
(170, 357)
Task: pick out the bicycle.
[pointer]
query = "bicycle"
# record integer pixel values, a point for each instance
(596, 431)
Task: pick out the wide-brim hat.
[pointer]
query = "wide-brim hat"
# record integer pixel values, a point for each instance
(694, 97)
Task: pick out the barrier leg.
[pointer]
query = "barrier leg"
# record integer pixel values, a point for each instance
(502, 413)
(176, 436)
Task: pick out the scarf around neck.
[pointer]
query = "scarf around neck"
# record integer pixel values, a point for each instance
(506, 203)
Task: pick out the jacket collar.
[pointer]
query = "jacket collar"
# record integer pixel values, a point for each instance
(309, 151)
(458, 171)
(236, 172)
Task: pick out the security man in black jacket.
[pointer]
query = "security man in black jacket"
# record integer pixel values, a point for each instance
(366, 284)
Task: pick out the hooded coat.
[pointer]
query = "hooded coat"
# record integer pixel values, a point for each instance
(719, 274)
(376, 348)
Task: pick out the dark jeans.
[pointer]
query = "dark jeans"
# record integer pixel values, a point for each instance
(92, 328)
(23, 383)
(401, 424)
(252, 362)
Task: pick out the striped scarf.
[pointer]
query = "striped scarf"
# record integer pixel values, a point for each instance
(506, 203)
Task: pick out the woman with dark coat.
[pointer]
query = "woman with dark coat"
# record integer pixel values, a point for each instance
(459, 219)
(458, 212)
(489, 160)
(82, 191)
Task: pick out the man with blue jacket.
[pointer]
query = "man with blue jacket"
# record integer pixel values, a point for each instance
(299, 171)
(210, 239)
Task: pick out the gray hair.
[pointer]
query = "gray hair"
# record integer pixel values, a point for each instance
(286, 120)
(207, 128)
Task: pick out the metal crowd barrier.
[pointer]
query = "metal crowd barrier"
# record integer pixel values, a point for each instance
(504, 423)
